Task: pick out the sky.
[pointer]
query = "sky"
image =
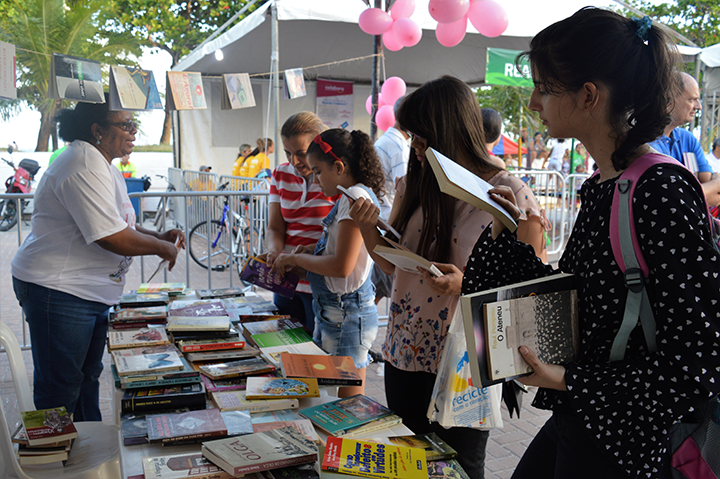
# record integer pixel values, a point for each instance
(23, 128)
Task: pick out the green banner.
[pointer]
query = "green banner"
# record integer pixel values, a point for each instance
(501, 68)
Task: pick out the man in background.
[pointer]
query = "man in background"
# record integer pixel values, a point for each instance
(714, 156)
(127, 169)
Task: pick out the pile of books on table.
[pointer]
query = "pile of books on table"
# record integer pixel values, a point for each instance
(45, 436)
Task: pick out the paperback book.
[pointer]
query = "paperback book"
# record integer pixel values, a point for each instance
(217, 344)
(405, 259)
(182, 466)
(446, 469)
(198, 323)
(136, 338)
(150, 360)
(233, 369)
(369, 459)
(294, 83)
(236, 401)
(170, 428)
(223, 356)
(48, 426)
(237, 91)
(199, 308)
(172, 289)
(278, 388)
(161, 399)
(219, 293)
(137, 300)
(257, 272)
(328, 370)
(375, 425)
(133, 89)
(134, 314)
(303, 471)
(185, 91)
(73, 78)
(220, 385)
(435, 448)
(185, 375)
(303, 426)
(8, 71)
(337, 417)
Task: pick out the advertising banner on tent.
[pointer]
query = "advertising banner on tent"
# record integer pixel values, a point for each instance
(501, 69)
(335, 103)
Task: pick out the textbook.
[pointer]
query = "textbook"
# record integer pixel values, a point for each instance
(257, 272)
(185, 91)
(460, 183)
(150, 360)
(135, 338)
(237, 91)
(182, 466)
(328, 370)
(278, 388)
(405, 259)
(73, 78)
(133, 89)
(337, 417)
(270, 450)
(476, 331)
(369, 459)
(48, 426)
(236, 401)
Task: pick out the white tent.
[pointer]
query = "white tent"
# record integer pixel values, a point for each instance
(321, 36)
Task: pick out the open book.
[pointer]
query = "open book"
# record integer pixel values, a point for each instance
(405, 259)
(460, 183)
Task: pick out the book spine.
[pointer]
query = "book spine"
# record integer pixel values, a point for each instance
(189, 437)
(274, 464)
(158, 382)
(193, 401)
(213, 346)
(339, 382)
(143, 324)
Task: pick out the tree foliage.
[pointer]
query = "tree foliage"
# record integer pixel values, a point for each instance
(698, 20)
(512, 104)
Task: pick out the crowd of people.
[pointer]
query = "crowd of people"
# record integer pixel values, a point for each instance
(605, 80)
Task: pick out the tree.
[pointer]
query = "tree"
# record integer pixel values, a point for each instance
(698, 20)
(175, 26)
(39, 28)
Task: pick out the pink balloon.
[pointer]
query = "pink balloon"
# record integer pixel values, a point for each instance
(381, 100)
(393, 89)
(407, 32)
(368, 103)
(488, 17)
(448, 11)
(402, 9)
(390, 41)
(374, 21)
(450, 34)
(385, 117)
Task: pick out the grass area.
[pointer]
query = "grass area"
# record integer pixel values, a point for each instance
(153, 148)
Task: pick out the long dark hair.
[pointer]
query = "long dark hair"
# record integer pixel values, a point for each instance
(446, 113)
(636, 66)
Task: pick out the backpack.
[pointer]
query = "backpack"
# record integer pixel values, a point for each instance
(693, 447)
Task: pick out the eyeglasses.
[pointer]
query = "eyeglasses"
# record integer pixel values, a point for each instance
(414, 137)
(125, 125)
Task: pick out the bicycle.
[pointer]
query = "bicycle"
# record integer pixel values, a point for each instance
(164, 210)
(228, 246)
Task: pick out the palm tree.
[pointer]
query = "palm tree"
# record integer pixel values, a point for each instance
(39, 28)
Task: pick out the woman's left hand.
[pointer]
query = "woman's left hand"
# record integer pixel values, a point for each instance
(505, 197)
(175, 236)
(449, 284)
(548, 376)
(283, 263)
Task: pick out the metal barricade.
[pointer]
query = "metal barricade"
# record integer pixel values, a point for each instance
(257, 209)
(197, 205)
(177, 204)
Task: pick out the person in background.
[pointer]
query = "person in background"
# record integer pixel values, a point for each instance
(492, 126)
(56, 153)
(71, 268)
(539, 150)
(127, 169)
(297, 207)
(714, 156)
(258, 160)
(244, 153)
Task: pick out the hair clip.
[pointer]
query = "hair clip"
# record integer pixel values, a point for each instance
(325, 147)
(643, 26)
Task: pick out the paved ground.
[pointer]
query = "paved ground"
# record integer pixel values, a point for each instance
(505, 445)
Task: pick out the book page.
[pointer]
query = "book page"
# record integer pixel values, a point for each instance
(406, 260)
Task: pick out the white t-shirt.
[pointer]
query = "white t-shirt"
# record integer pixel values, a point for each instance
(714, 162)
(394, 152)
(81, 198)
(364, 263)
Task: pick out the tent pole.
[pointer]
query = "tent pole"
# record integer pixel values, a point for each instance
(375, 84)
(275, 83)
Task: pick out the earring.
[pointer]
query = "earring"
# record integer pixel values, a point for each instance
(98, 140)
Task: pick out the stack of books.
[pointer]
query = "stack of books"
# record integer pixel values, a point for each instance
(121, 317)
(351, 416)
(294, 340)
(198, 315)
(172, 289)
(45, 436)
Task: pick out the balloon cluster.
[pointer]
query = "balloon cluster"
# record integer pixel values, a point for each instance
(391, 91)
(396, 27)
(488, 18)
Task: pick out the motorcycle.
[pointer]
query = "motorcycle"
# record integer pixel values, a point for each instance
(20, 182)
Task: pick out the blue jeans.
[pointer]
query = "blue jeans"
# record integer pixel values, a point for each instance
(345, 325)
(68, 341)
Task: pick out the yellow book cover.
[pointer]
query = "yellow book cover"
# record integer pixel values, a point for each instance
(277, 388)
(369, 459)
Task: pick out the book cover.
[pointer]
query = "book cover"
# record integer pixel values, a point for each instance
(337, 417)
(161, 399)
(237, 91)
(74, 78)
(173, 427)
(223, 356)
(303, 471)
(261, 451)
(460, 183)
(219, 293)
(219, 385)
(435, 448)
(130, 300)
(48, 426)
(474, 318)
(372, 426)
(294, 83)
(8, 71)
(257, 272)
(150, 360)
(267, 326)
(369, 459)
(185, 375)
(250, 304)
(274, 353)
(210, 345)
(198, 323)
(172, 289)
(133, 89)
(236, 401)
(231, 369)
(185, 91)
(198, 308)
(229, 335)
(182, 466)
(446, 469)
(135, 338)
(282, 338)
(133, 429)
(303, 426)
(328, 370)
(276, 388)
(274, 416)
(546, 323)
(151, 312)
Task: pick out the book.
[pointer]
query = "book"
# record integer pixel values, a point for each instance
(251, 328)
(257, 272)
(132, 300)
(233, 369)
(251, 303)
(219, 385)
(133, 428)
(690, 162)
(219, 293)
(274, 416)
(31, 457)
(48, 426)
(135, 338)
(208, 323)
(328, 370)
(153, 359)
(8, 71)
(294, 84)
(446, 469)
(185, 91)
(236, 401)
(369, 459)
(197, 308)
(303, 471)
(133, 89)
(223, 356)
(209, 345)
(156, 379)
(74, 78)
(284, 337)
(182, 466)
(229, 335)
(547, 323)
(276, 388)
(160, 399)
(435, 448)
(474, 320)
(337, 417)
(460, 183)
(261, 451)
(237, 91)
(405, 259)
(172, 289)
(303, 426)
(127, 314)
(168, 428)
(374, 425)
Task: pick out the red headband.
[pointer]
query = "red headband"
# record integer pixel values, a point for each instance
(326, 148)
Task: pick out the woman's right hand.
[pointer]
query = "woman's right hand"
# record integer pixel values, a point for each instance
(169, 253)
(365, 214)
(505, 197)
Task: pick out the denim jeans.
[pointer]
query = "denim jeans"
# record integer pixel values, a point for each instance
(68, 341)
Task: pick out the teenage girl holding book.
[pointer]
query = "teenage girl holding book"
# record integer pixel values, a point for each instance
(339, 265)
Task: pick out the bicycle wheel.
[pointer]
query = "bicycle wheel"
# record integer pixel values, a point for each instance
(8, 214)
(245, 247)
(219, 258)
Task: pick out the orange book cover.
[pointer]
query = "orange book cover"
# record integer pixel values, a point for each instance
(328, 370)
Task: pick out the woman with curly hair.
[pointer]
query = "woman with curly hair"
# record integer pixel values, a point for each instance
(346, 320)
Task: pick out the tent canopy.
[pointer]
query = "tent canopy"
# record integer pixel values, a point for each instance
(506, 147)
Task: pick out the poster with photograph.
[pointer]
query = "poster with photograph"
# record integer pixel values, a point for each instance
(335, 103)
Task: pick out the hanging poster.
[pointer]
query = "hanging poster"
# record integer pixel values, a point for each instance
(8, 73)
(133, 89)
(186, 91)
(73, 78)
(294, 84)
(237, 91)
(335, 103)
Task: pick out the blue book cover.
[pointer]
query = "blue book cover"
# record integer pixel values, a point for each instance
(338, 417)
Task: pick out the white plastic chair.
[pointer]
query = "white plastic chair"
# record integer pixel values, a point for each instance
(95, 453)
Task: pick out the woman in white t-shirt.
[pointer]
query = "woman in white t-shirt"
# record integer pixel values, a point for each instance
(72, 266)
(346, 320)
